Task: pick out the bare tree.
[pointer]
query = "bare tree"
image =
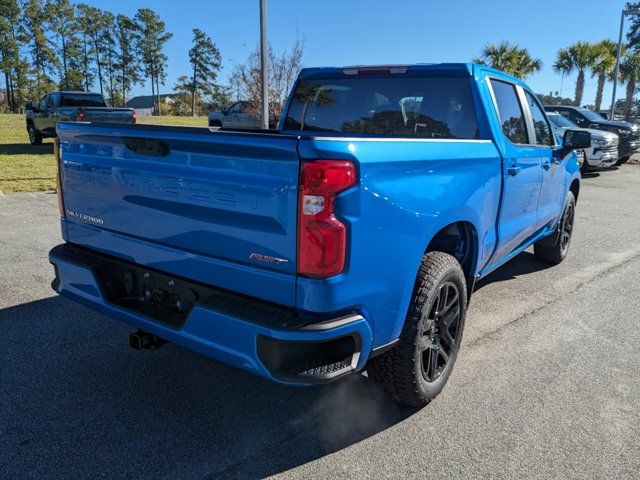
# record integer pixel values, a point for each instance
(283, 70)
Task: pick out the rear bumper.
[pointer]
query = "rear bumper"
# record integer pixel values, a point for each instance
(279, 347)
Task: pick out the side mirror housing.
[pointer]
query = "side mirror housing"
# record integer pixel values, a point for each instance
(28, 106)
(574, 140)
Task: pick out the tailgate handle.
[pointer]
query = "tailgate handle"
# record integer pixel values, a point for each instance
(147, 146)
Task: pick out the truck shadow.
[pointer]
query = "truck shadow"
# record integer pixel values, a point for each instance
(26, 149)
(523, 264)
(77, 401)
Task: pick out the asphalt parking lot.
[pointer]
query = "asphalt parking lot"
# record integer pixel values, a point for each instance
(547, 384)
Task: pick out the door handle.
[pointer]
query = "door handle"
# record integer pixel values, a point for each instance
(546, 165)
(513, 170)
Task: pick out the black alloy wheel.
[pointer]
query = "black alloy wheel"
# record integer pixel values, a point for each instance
(439, 331)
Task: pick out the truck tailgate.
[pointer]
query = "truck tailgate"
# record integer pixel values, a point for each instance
(216, 207)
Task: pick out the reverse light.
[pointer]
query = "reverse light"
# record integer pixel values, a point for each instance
(322, 238)
(80, 115)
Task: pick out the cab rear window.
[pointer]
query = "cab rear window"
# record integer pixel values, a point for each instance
(81, 100)
(428, 107)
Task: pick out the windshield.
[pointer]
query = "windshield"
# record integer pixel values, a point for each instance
(590, 114)
(561, 121)
(431, 107)
(81, 100)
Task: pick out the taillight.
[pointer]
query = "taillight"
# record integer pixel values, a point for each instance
(80, 115)
(133, 116)
(57, 156)
(322, 238)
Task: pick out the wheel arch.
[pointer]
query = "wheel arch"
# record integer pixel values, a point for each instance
(575, 188)
(460, 240)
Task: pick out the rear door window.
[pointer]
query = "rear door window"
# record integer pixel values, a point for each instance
(428, 107)
(541, 127)
(510, 112)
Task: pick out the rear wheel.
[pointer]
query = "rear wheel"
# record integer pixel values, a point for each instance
(417, 368)
(556, 252)
(623, 160)
(35, 138)
(215, 124)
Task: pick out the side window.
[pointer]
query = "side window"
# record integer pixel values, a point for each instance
(540, 125)
(510, 112)
(51, 101)
(235, 108)
(571, 115)
(43, 103)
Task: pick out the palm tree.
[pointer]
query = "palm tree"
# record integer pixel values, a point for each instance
(604, 66)
(510, 59)
(630, 74)
(578, 57)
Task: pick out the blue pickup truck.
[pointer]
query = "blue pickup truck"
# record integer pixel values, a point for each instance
(349, 239)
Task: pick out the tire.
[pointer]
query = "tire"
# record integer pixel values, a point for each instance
(557, 252)
(584, 168)
(215, 124)
(408, 372)
(35, 137)
(622, 160)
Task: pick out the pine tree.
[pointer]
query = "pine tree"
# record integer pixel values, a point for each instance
(108, 54)
(44, 60)
(94, 24)
(63, 23)
(205, 61)
(83, 26)
(152, 37)
(10, 52)
(127, 62)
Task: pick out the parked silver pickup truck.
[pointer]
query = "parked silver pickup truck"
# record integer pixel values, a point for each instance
(71, 106)
(604, 145)
(238, 115)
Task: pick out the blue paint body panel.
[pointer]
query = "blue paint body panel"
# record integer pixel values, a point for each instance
(217, 197)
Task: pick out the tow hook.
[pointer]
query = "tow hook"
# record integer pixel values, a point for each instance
(140, 340)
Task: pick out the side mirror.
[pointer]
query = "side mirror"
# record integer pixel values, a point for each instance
(28, 106)
(574, 140)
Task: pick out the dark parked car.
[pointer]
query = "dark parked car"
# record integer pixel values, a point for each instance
(628, 133)
(71, 106)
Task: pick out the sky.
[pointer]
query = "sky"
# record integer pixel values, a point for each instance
(357, 32)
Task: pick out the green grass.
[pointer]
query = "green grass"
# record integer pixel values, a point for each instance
(170, 120)
(28, 168)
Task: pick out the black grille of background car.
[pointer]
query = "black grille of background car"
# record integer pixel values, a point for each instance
(609, 148)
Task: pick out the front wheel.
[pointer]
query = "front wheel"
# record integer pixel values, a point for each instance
(555, 252)
(35, 138)
(417, 368)
(622, 160)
